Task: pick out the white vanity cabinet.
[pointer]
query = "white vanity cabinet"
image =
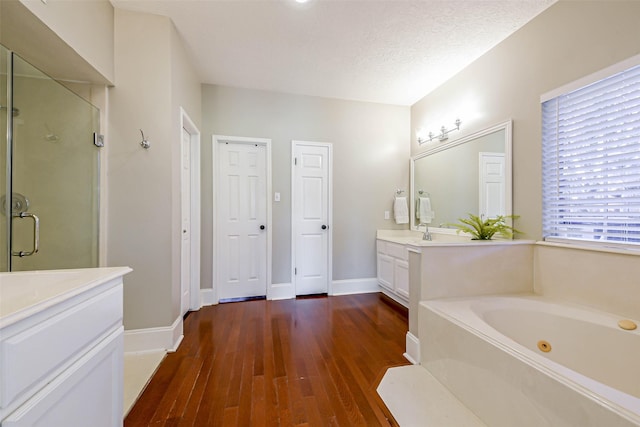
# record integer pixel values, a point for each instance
(393, 270)
(62, 357)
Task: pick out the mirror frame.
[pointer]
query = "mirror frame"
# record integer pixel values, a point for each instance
(507, 126)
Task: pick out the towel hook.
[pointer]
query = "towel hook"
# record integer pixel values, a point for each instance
(399, 192)
(144, 143)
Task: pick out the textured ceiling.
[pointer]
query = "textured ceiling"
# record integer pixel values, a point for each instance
(392, 52)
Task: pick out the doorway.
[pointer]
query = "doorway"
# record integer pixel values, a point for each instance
(190, 214)
(242, 232)
(311, 220)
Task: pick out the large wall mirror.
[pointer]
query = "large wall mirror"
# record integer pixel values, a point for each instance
(468, 175)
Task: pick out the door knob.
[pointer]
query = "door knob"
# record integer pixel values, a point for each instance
(262, 227)
(324, 227)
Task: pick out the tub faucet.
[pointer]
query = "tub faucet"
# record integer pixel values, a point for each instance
(426, 235)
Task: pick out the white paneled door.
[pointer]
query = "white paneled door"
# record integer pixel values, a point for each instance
(242, 220)
(311, 220)
(190, 214)
(492, 184)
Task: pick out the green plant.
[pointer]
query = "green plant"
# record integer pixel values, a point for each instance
(485, 229)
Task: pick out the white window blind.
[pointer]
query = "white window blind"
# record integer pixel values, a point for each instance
(591, 161)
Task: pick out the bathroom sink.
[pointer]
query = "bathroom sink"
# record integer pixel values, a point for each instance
(437, 238)
(416, 241)
(406, 237)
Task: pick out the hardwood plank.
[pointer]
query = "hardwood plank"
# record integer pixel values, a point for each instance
(186, 388)
(247, 398)
(284, 405)
(270, 389)
(230, 417)
(258, 407)
(295, 393)
(332, 394)
(313, 412)
(280, 370)
(193, 405)
(313, 362)
(217, 390)
(143, 410)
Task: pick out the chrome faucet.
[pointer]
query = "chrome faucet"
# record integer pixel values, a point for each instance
(426, 235)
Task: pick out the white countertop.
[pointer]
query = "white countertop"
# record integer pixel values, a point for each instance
(410, 237)
(414, 238)
(25, 293)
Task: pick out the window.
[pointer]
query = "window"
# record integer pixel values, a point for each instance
(591, 161)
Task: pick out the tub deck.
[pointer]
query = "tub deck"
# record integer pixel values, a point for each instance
(416, 398)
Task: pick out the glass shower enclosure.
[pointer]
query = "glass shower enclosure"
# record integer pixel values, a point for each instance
(49, 171)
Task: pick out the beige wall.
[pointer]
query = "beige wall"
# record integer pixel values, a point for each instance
(50, 37)
(370, 161)
(86, 26)
(567, 41)
(144, 198)
(606, 281)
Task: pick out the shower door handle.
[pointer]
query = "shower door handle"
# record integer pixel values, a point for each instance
(36, 234)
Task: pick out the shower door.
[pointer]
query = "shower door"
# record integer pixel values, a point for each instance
(4, 169)
(53, 213)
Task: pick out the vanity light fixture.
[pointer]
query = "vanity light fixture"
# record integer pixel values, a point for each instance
(442, 136)
(421, 135)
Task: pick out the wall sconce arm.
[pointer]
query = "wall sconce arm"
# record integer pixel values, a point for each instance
(443, 135)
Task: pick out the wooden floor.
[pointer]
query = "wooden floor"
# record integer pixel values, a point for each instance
(304, 362)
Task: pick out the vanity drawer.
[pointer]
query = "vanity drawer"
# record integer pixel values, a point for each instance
(396, 250)
(37, 354)
(85, 394)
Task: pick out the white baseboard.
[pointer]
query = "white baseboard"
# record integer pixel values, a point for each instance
(206, 296)
(339, 287)
(413, 349)
(355, 286)
(152, 339)
(282, 291)
(286, 291)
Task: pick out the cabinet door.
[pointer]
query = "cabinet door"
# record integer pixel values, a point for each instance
(25, 368)
(385, 271)
(401, 278)
(89, 393)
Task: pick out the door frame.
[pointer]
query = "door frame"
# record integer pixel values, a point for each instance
(194, 238)
(216, 141)
(329, 145)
